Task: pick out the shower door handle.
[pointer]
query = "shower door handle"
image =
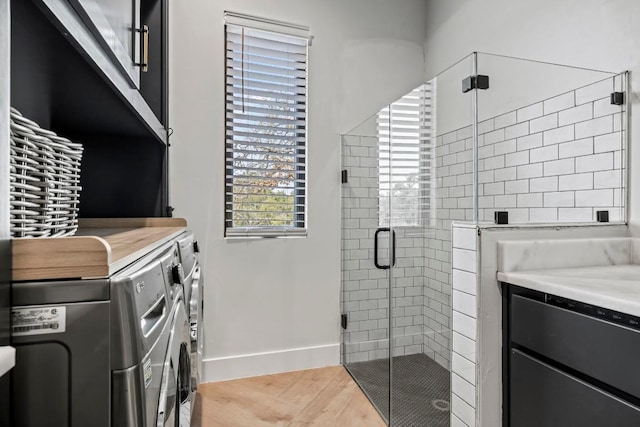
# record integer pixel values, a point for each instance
(393, 248)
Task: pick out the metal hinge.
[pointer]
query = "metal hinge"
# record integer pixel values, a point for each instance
(617, 98)
(343, 321)
(475, 82)
(345, 176)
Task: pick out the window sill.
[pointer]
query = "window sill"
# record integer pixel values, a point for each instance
(253, 234)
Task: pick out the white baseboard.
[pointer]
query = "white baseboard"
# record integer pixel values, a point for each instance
(273, 362)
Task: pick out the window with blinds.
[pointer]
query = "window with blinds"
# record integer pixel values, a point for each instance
(404, 144)
(266, 112)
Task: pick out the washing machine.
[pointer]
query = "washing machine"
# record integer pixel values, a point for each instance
(178, 399)
(104, 352)
(174, 405)
(193, 285)
(150, 343)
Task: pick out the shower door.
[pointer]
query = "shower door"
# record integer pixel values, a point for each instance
(420, 265)
(386, 201)
(408, 173)
(365, 266)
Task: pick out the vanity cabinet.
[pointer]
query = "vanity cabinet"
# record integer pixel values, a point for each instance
(568, 363)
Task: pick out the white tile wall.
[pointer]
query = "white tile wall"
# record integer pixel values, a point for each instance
(465, 412)
(556, 136)
(464, 325)
(530, 112)
(543, 123)
(557, 147)
(579, 147)
(599, 126)
(560, 102)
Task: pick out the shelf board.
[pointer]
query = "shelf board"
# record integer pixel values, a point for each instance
(100, 248)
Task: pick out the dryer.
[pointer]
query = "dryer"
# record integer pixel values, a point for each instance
(147, 368)
(104, 352)
(193, 285)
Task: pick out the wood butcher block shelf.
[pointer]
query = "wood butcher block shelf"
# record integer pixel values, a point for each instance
(99, 248)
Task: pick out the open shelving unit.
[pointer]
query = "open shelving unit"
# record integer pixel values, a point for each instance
(56, 71)
(62, 78)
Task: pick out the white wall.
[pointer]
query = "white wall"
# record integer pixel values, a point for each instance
(597, 34)
(273, 304)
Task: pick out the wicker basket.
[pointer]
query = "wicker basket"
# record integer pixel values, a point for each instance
(44, 181)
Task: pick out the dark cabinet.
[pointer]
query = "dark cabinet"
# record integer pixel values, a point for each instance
(133, 34)
(63, 78)
(567, 363)
(153, 81)
(543, 396)
(116, 25)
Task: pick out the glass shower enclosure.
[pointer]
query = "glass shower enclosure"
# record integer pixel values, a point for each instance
(544, 143)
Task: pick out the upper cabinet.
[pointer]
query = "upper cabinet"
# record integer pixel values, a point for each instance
(153, 81)
(116, 25)
(68, 76)
(74, 93)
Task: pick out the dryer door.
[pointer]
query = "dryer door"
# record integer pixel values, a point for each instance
(174, 406)
(195, 318)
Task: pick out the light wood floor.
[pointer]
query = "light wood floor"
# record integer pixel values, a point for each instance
(315, 397)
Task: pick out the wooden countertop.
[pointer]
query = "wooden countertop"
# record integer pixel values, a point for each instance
(98, 249)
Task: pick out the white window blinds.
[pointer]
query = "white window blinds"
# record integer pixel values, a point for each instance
(404, 135)
(266, 99)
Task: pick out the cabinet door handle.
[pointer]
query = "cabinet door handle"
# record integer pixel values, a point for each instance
(144, 52)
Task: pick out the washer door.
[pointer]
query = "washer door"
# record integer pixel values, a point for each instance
(174, 406)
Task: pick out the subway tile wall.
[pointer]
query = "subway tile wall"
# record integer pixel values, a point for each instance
(558, 160)
(464, 326)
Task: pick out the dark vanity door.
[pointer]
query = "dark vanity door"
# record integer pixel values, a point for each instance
(568, 363)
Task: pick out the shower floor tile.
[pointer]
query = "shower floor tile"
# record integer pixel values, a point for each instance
(421, 389)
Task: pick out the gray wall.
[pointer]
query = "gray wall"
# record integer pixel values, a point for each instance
(274, 303)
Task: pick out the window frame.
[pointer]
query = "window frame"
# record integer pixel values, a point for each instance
(299, 196)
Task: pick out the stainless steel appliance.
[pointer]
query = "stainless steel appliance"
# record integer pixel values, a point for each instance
(104, 352)
(193, 285)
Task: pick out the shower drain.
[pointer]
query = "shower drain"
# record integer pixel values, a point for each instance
(440, 404)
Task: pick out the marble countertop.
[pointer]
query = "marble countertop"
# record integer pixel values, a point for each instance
(616, 287)
(7, 359)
